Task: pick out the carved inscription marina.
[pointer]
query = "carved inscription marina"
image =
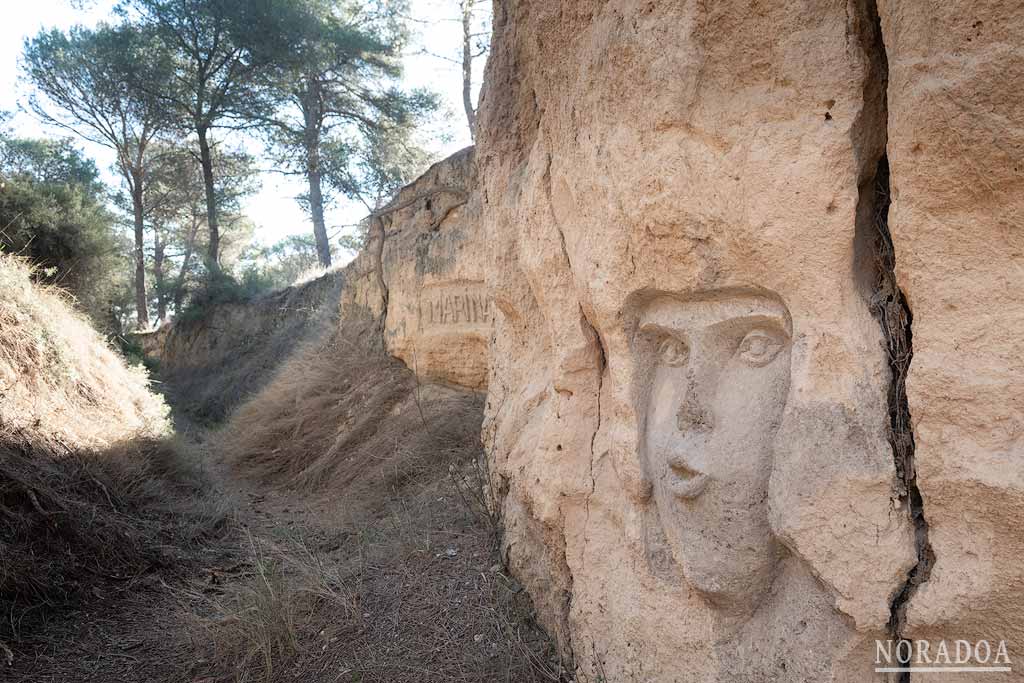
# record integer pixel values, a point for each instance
(464, 304)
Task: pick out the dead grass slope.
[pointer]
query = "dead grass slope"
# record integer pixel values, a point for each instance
(59, 381)
(213, 361)
(340, 411)
(92, 491)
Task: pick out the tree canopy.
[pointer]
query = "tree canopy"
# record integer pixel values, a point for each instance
(329, 101)
(210, 83)
(53, 210)
(83, 82)
(178, 89)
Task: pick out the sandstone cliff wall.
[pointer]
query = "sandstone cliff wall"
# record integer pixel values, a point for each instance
(741, 281)
(152, 341)
(719, 234)
(956, 154)
(433, 263)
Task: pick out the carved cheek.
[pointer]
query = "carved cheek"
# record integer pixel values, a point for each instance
(667, 393)
(752, 396)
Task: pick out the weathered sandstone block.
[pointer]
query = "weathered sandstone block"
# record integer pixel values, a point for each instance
(956, 150)
(433, 263)
(696, 424)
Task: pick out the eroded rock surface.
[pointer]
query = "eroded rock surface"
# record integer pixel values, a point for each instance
(416, 289)
(956, 152)
(696, 425)
(433, 263)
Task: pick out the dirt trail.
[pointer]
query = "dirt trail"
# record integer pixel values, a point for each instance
(295, 589)
(137, 630)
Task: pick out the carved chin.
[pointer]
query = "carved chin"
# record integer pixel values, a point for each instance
(726, 576)
(722, 587)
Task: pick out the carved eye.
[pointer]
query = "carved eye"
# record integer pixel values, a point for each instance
(759, 347)
(672, 352)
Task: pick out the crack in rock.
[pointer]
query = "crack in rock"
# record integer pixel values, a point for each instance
(889, 306)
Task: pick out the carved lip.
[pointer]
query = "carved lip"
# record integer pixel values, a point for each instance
(684, 481)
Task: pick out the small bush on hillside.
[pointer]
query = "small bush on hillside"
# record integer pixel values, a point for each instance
(223, 288)
(284, 263)
(131, 350)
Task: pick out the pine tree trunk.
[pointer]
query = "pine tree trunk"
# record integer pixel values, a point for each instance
(312, 114)
(158, 277)
(467, 65)
(141, 309)
(206, 160)
(316, 203)
(179, 284)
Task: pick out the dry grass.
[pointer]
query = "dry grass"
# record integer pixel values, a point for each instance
(257, 628)
(410, 586)
(107, 572)
(213, 363)
(59, 381)
(416, 595)
(71, 520)
(92, 492)
(341, 414)
(315, 273)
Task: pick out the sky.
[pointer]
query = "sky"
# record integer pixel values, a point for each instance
(438, 35)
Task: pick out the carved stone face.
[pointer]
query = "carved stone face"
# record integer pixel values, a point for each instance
(717, 370)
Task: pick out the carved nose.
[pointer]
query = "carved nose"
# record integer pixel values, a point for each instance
(693, 415)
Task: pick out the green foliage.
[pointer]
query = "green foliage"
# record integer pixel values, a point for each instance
(282, 264)
(330, 105)
(131, 350)
(355, 240)
(85, 79)
(260, 270)
(176, 214)
(221, 288)
(211, 74)
(83, 83)
(53, 211)
(320, 78)
(49, 161)
(211, 81)
(373, 167)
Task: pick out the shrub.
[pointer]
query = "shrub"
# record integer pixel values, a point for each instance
(53, 213)
(223, 288)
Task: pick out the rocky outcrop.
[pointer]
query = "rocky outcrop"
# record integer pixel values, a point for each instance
(740, 281)
(702, 411)
(433, 264)
(956, 154)
(152, 341)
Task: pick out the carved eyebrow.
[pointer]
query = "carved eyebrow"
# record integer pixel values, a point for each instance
(753, 321)
(671, 316)
(659, 329)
